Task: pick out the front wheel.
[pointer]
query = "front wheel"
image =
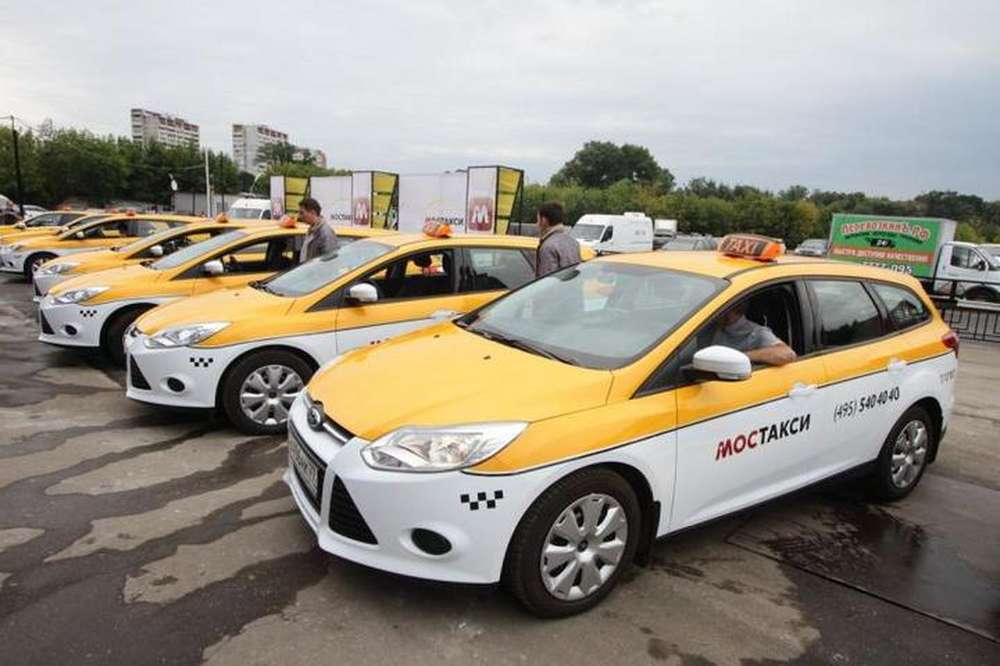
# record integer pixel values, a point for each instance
(113, 336)
(904, 455)
(34, 262)
(260, 389)
(573, 543)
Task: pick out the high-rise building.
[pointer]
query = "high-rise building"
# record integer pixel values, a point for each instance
(247, 142)
(149, 126)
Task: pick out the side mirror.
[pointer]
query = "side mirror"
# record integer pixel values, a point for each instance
(156, 250)
(79, 235)
(213, 267)
(20, 225)
(363, 292)
(723, 363)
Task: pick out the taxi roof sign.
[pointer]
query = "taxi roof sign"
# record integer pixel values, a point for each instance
(752, 246)
(436, 229)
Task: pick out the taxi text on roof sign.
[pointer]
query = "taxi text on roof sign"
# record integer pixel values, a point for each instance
(752, 246)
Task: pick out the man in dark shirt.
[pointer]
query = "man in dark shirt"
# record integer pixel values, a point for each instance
(556, 248)
(320, 239)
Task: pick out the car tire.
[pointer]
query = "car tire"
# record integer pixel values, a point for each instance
(32, 263)
(904, 456)
(272, 369)
(113, 335)
(530, 573)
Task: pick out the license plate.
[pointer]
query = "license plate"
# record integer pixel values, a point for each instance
(308, 472)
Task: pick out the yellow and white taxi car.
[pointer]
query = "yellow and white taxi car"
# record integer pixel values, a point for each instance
(549, 437)
(94, 310)
(146, 249)
(43, 224)
(108, 231)
(250, 351)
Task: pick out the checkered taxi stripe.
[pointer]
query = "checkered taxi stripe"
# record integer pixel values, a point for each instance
(481, 499)
(201, 361)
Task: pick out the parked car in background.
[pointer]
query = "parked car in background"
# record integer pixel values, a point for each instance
(31, 210)
(605, 234)
(663, 232)
(813, 247)
(690, 243)
(44, 224)
(250, 209)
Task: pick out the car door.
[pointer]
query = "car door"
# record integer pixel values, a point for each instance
(865, 369)
(743, 442)
(253, 260)
(414, 290)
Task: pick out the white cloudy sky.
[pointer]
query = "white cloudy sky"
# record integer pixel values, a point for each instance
(886, 96)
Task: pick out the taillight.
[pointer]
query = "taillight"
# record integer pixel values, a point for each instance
(950, 341)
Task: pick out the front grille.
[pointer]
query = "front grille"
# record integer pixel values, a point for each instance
(313, 499)
(345, 519)
(138, 379)
(337, 431)
(46, 328)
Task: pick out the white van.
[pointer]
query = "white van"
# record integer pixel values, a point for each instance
(250, 209)
(631, 232)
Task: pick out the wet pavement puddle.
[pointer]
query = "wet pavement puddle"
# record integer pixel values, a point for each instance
(878, 550)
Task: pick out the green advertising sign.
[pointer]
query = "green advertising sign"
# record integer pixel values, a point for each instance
(905, 244)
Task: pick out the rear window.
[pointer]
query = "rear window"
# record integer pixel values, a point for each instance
(904, 307)
(846, 313)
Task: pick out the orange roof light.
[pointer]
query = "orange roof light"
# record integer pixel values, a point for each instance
(130, 212)
(436, 229)
(752, 246)
(287, 222)
(221, 218)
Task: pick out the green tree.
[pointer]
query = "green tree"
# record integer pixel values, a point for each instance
(602, 163)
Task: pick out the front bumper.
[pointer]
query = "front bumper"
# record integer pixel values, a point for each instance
(476, 514)
(73, 325)
(177, 376)
(45, 281)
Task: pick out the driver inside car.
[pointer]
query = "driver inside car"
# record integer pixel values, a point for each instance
(758, 342)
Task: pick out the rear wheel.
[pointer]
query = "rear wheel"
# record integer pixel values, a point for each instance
(903, 459)
(113, 335)
(985, 295)
(573, 543)
(259, 390)
(34, 262)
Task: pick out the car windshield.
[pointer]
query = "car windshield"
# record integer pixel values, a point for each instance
(243, 213)
(181, 257)
(992, 260)
(44, 220)
(321, 271)
(587, 232)
(681, 244)
(600, 314)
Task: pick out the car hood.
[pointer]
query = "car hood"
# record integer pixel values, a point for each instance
(31, 237)
(92, 258)
(125, 277)
(444, 375)
(245, 305)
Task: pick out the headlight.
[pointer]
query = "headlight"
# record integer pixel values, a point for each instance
(182, 336)
(56, 269)
(77, 295)
(439, 449)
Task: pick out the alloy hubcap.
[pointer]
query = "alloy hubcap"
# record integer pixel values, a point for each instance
(909, 453)
(584, 547)
(268, 392)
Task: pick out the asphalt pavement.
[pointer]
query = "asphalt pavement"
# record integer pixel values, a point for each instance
(130, 535)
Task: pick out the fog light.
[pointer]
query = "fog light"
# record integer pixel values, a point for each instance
(430, 541)
(175, 385)
(70, 329)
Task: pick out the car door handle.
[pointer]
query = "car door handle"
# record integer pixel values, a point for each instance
(896, 365)
(802, 390)
(444, 314)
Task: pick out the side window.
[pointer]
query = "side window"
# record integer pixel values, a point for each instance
(847, 315)
(274, 255)
(143, 228)
(609, 231)
(904, 307)
(419, 275)
(962, 257)
(177, 242)
(758, 320)
(489, 269)
(117, 229)
(265, 215)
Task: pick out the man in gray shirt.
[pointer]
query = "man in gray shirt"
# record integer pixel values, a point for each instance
(320, 239)
(758, 342)
(556, 248)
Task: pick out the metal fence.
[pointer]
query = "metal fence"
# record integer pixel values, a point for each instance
(972, 319)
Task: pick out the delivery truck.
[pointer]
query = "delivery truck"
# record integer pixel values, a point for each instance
(605, 234)
(920, 246)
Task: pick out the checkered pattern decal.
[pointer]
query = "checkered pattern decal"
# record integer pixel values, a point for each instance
(88, 313)
(201, 361)
(481, 499)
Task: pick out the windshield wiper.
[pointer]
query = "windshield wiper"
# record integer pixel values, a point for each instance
(523, 345)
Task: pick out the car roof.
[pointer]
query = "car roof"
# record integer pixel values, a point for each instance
(400, 240)
(716, 264)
